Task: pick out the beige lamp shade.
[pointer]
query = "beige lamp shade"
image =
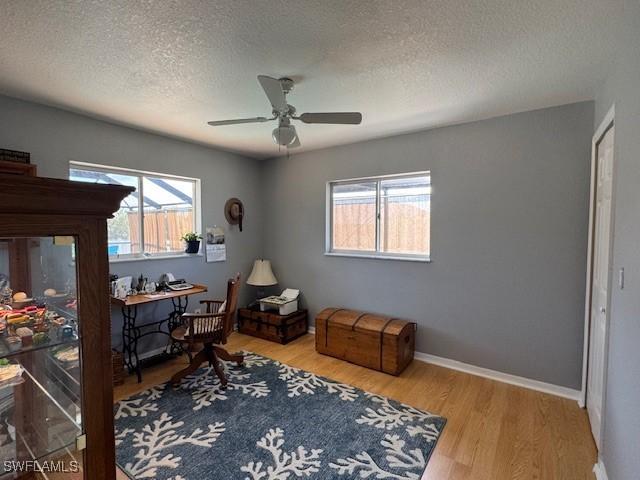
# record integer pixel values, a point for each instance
(262, 275)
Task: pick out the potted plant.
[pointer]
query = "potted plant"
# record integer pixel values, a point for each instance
(193, 242)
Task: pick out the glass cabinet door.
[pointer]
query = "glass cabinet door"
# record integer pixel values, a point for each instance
(41, 429)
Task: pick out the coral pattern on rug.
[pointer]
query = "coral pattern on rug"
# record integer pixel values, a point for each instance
(300, 382)
(299, 462)
(273, 422)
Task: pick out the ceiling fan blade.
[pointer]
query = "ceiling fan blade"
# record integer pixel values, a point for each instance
(219, 123)
(350, 118)
(273, 89)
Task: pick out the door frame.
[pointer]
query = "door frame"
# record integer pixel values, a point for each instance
(603, 128)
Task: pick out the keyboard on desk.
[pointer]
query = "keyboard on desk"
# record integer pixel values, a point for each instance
(178, 285)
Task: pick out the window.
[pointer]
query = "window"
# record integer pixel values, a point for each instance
(385, 217)
(151, 220)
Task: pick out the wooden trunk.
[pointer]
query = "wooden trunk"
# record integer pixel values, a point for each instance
(374, 341)
(271, 326)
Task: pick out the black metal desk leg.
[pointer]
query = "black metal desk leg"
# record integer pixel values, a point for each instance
(179, 307)
(130, 336)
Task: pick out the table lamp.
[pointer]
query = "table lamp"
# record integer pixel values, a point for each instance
(261, 276)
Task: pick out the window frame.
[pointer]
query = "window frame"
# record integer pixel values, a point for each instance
(377, 253)
(140, 174)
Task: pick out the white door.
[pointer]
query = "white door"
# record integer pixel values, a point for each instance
(600, 283)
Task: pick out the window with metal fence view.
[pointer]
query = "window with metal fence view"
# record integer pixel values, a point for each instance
(386, 216)
(152, 220)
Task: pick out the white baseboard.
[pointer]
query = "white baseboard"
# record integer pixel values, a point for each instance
(495, 375)
(152, 353)
(600, 471)
(524, 382)
(311, 330)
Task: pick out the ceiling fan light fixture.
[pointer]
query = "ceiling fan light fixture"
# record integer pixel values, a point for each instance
(284, 135)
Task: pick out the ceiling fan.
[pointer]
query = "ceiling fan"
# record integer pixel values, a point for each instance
(285, 134)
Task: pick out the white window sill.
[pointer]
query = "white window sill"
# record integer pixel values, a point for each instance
(154, 257)
(402, 258)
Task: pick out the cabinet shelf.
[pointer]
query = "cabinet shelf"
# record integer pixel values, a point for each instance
(6, 353)
(56, 434)
(65, 377)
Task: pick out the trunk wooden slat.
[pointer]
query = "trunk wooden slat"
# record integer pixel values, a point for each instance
(382, 343)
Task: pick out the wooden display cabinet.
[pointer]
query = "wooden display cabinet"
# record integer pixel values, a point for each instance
(56, 393)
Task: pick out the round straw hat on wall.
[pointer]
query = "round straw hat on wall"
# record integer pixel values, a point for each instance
(234, 212)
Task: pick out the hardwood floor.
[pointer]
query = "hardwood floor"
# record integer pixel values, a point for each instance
(494, 431)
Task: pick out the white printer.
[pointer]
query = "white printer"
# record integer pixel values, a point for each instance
(285, 303)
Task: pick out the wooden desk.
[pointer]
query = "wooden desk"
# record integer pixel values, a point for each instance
(132, 332)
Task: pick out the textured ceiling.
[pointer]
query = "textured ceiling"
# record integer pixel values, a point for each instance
(170, 66)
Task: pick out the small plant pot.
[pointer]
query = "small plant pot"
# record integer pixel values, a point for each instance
(193, 246)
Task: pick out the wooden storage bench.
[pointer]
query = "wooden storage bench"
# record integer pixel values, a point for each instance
(374, 341)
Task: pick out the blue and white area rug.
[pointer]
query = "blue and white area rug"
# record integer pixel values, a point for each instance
(274, 422)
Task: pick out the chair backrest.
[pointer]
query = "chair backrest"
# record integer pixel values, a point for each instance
(233, 289)
(203, 327)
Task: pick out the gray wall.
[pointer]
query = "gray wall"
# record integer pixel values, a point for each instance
(54, 137)
(505, 289)
(622, 416)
